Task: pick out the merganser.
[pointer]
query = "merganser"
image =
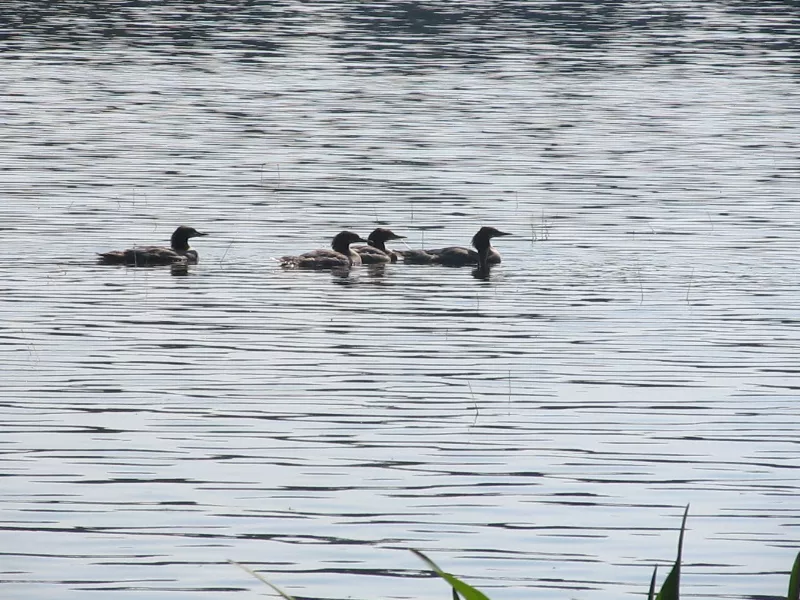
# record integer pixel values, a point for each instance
(149, 256)
(340, 257)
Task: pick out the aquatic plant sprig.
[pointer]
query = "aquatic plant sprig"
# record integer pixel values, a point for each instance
(794, 580)
(465, 590)
(262, 579)
(670, 589)
(543, 232)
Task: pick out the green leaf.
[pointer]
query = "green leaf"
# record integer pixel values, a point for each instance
(652, 593)
(794, 580)
(467, 591)
(276, 589)
(670, 590)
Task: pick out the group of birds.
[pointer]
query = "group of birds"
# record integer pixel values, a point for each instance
(341, 255)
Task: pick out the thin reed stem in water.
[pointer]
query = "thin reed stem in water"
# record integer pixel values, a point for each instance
(509, 391)
(224, 254)
(475, 402)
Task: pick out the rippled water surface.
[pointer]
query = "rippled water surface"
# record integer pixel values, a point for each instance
(538, 432)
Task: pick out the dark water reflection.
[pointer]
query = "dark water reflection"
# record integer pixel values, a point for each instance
(407, 32)
(538, 431)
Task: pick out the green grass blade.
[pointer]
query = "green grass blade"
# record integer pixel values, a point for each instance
(671, 588)
(467, 591)
(652, 593)
(794, 580)
(275, 588)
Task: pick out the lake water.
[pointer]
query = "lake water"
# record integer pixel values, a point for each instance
(538, 432)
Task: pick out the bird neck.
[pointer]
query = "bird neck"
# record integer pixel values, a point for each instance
(483, 257)
(379, 244)
(341, 246)
(180, 242)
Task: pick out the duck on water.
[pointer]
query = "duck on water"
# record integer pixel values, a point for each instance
(483, 256)
(340, 256)
(179, 252)
(376, 252)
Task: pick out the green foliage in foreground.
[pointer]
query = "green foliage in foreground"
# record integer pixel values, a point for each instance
(459, 587)
(275, 588)
(670, 589)
(794, 580)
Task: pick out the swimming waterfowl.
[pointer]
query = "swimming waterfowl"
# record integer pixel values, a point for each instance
(487, 255)
(375, 252)
(149, 256)
(341, 256)
(458, 256)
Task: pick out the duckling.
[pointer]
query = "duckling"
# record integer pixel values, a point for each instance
(458, 256)
(376, 252)
(149, 256)
(340, 257)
